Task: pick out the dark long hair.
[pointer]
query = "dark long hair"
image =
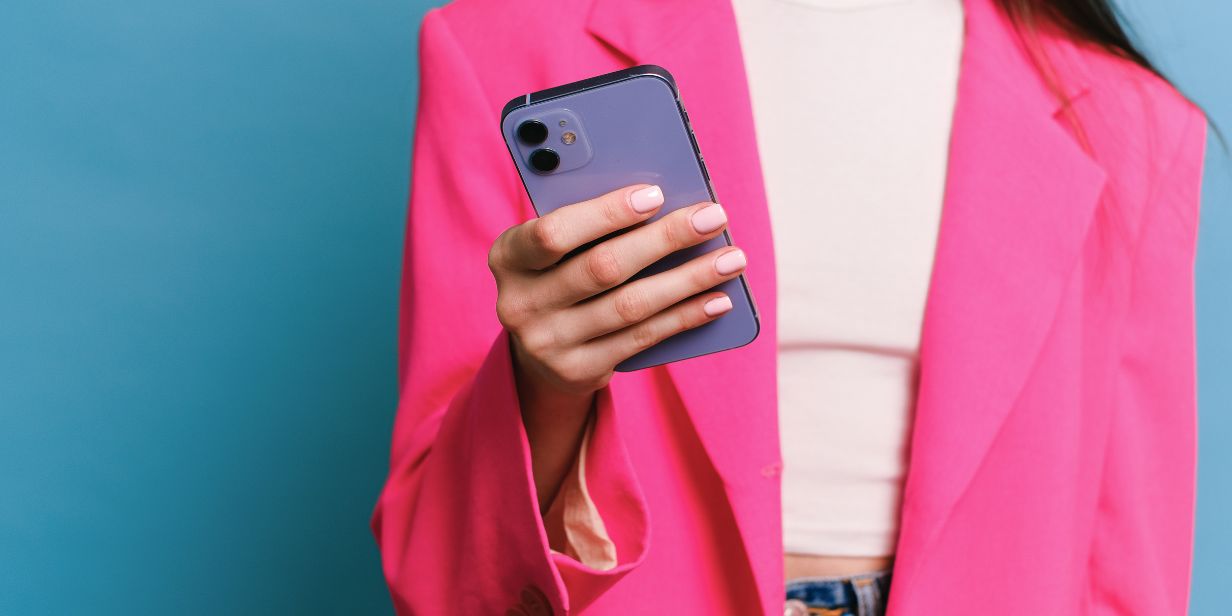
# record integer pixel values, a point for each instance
(1091, 21)
(1096, 22)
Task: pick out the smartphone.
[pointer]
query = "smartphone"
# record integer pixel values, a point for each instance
(577, 141)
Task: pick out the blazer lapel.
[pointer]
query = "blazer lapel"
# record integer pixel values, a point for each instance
(1020, 195)
(730, 396)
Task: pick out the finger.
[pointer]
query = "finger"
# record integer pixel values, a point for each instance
(542, 242)
(614, 261)
(686, 315)
(641, 299)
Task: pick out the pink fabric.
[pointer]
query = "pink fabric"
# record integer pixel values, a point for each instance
(1054, 442)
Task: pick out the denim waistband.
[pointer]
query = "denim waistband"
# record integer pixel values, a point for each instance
(852, 595)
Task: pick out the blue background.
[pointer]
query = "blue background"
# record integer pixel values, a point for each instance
(201, 210)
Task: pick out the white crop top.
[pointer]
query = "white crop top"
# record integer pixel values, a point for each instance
(853, 102)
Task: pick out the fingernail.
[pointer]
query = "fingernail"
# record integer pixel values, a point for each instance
(709, 218)
(646, 199)
(717, 306)
(730, 262)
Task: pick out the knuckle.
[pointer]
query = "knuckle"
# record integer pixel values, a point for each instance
(703, 275)
(613, 211)
(631, 306)
(572, 373)
(537, 342)
(512, 309)
(644, 336)
(672, 234)
(684, 317)
(494, 261)
(546, 235)
(691, 317)
(497, 253)
(579, 371)
(597, 382)
(603, 267)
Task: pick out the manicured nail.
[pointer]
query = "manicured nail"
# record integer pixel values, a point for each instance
(730, 262)
(717, 306)
(709, 218)
(646, 199)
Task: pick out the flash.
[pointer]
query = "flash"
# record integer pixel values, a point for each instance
(563, 122)
(568, 137)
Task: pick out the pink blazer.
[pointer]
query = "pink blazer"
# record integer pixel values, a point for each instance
(1053, 454)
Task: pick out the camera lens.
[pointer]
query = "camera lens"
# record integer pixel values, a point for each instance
(532, 132)
(544, 160)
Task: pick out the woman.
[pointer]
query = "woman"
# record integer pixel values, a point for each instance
(984, 369)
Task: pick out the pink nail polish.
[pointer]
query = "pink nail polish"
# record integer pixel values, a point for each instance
(717, 306)
(730, 262)
(708, 218)
(646, 199)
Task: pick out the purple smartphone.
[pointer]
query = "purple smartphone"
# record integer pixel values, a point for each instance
(580, 140)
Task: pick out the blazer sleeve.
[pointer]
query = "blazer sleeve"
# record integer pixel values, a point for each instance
(457, 522)
(1143, 534)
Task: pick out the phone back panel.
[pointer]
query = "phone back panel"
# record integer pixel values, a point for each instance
(630, 128)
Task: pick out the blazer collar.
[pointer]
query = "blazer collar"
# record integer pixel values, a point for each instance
(1020, 193)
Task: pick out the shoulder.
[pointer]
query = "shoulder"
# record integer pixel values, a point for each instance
(1149, 138)
(1148, 114)
(508, 46)
(1130, 91)
(500, 21)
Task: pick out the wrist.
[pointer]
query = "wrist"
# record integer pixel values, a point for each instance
(540, 398)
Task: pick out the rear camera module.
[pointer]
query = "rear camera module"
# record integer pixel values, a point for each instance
(544, 160)
(532, 132)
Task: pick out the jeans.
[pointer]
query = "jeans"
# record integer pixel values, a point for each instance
(855, 595)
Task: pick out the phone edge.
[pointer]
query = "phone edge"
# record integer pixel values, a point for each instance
(641, 70)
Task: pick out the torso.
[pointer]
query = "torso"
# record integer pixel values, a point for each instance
(853, 137)
(1023, 372)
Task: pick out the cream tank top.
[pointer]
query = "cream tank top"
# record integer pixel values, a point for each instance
(853, 102)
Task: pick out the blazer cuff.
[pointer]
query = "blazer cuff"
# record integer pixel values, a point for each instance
(606, 516)
(586, 536)
(607, 522)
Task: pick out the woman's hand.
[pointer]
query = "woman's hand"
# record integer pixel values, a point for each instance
(571, 318)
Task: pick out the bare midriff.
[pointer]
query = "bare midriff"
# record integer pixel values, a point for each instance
(806, 565)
